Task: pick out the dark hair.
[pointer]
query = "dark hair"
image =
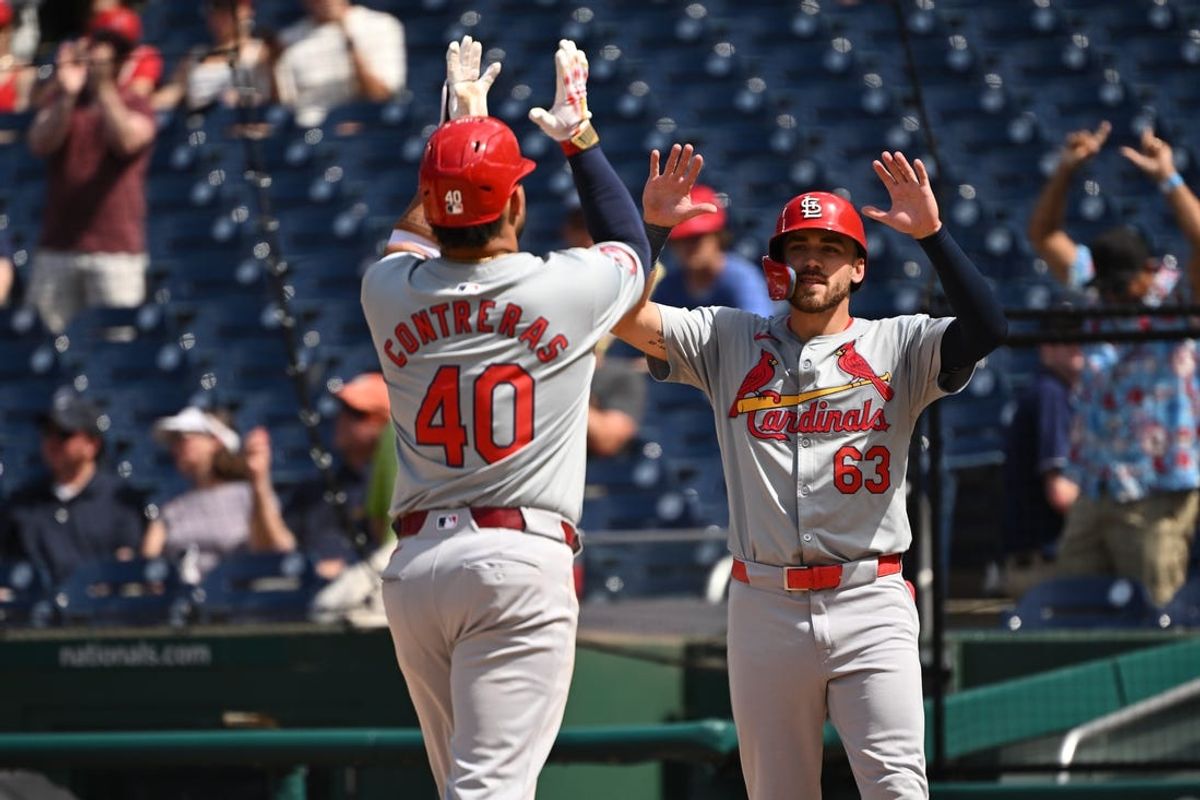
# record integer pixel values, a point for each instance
(471, 237)
(1118, 255)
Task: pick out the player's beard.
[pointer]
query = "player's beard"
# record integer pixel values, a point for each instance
(816, 302)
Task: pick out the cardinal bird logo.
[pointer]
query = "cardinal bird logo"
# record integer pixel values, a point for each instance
(851, 362)
(759, 376)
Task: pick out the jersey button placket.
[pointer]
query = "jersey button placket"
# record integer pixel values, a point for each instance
(804, 381)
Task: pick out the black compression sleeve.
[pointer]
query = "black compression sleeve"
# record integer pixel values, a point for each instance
(658, 240)
(608, 209)
(979, 326)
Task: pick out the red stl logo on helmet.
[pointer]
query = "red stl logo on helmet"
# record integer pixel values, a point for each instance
(471, 167)
(814, 210)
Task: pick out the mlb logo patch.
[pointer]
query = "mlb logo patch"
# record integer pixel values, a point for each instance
(446, 522)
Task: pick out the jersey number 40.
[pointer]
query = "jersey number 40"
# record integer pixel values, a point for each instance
(440, 418)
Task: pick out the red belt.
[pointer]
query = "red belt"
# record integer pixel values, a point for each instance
(804, 579)
(485, 517)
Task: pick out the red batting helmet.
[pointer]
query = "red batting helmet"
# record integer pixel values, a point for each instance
(470, 169)
(704, 223)
(812, 210)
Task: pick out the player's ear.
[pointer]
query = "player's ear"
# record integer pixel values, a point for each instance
(516, 205)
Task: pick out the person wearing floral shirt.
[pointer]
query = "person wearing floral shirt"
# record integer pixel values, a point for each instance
(1134, 441)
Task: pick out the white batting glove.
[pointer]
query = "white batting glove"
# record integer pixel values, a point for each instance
(567, 121)
(465, 92)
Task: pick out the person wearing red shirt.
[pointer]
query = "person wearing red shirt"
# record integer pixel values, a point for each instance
(96, 137)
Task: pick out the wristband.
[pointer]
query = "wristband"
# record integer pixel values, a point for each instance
(583, 139)
(1171, 183)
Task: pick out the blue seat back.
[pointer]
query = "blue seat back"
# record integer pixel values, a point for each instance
(134, 592)
(1084, 602)
(258, 587)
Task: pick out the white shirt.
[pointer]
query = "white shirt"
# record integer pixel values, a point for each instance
(316, 71)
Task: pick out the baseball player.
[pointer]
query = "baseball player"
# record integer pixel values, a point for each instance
(814, 411)
(487, 353)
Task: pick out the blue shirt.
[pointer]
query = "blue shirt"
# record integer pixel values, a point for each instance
(58, 536)
(1138, 407)
(1038, 442)
(739, 285)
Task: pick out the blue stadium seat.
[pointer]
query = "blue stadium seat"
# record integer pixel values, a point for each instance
(23, 595)
(258, 587)
(1183, 610)
(626, 570)
(1084, 602)
(134, 592)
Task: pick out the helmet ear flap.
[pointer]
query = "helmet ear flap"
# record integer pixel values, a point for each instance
(781, 278)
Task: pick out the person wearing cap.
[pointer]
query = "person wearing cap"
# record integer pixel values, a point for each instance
(704, 271)
(310, 520)
(340, 52)
(203, 77)
(1140, 492)
(815, 411)
(143, 68)
(231, 506)
(16, 74)
(96, 137)
(78, 512)
(1037, 489)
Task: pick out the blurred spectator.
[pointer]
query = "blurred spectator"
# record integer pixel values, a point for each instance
(339, 53)
(230, 507)
(142, 70)
(8, 274)
(309, 520)
(1134, 441)
(616, 404)
(204, 78)
(1038, 493)
(705, 272)
(16, 74)
(77, 513)
(97, 138)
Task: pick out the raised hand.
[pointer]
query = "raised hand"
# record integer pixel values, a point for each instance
(466, 88)
(71, 69)
(256, 450)
(914, 208)
(569, 113)
(1154, 157)
(1082, 145)
(666, 197)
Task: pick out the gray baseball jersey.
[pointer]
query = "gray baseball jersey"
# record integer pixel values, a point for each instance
(488, 367)
(814, 435)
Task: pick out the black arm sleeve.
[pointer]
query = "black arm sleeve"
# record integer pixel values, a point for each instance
(979, 326)
(658, 239)
(608, 209)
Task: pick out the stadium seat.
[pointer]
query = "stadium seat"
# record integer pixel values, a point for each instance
(135, 592)
(23, 596)
(257, 587)
(1183, 610)
(1084, 602)
(639, 569)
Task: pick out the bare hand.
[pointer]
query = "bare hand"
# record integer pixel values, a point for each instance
(256, 449)
(71, 70)
(666, 197)
(914, 208)
(467, 88)
(1154, 158)
(1082, 145)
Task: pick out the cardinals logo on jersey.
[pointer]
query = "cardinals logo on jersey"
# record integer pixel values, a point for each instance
(851, 362)
(778, 420)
